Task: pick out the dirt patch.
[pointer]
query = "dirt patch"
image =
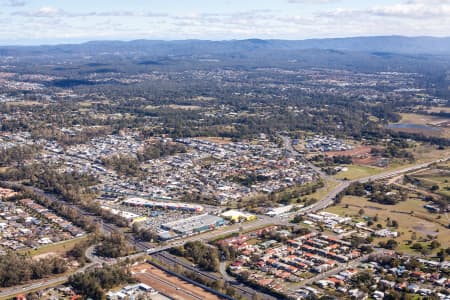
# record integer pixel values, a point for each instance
(170, 285)
(362, 151)
(45, 255)
(367, 161)
(425, 229)
(360, 155)
(216, 140)
(426, 132)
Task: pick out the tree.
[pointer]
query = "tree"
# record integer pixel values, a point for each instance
(93, 283)
(434, 188)
(434, 244)
(394, 224)
(113, 246)
(442, 255)
(417, 246)
(206, 257)
(17, 268)
(297, 219)
(391, 244)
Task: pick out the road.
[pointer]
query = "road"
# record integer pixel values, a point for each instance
(261, 222)
(96, 261)
(104, 226)
(341, 267)
(223, 271)
(287, 143)
(329, 199)
(243, 290)
(23, 289)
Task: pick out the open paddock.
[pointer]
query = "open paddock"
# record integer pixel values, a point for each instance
(423, 124)
(355, 152)
(435, 177)
(357, 171)
(410, 215)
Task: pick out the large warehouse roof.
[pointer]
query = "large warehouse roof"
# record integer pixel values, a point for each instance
(195, 223)
(163, 204)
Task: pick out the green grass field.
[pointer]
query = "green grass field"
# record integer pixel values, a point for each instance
(358, 171)
(57, 248)
(322, 192)
(421, 221)
(440, 179)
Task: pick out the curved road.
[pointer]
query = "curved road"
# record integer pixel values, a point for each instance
(22, 289)
(262, 221)
(329, 199)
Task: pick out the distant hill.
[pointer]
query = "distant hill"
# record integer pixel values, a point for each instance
(378, 45)
(424, 55)
(393, 44)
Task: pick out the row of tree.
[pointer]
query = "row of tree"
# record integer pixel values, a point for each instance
(16, 268)
(93, 284)
(160, 149)
(123, 164)
(72, 187)
(17, 154)
(113, 246)
(377, 192)
(205, 256)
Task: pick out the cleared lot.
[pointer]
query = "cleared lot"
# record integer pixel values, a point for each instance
(170, 285)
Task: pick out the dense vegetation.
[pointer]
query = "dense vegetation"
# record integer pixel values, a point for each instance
(17, 154)
(71, 187)
(395, 149)
(16, 268)
(377, 192)
(93, 284)
(113, 246)
(126, 165)
(79, 249)
(205, 256)
(160, 149)
(292, 195)
(144, 234)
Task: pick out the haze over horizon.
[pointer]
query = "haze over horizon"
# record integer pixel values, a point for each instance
(26, 22)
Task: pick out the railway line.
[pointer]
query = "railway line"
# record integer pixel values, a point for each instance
(263, 220)
(243, 291)
(168, 283)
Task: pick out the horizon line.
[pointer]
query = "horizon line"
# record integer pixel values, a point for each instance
(86, 41)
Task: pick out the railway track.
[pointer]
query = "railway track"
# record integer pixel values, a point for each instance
(174, 261)
(168, 283)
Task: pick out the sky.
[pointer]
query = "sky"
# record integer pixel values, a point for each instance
(25, 22)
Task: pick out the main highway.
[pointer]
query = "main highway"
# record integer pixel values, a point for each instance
(146, 248)
(40, 284)
(343, 184)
